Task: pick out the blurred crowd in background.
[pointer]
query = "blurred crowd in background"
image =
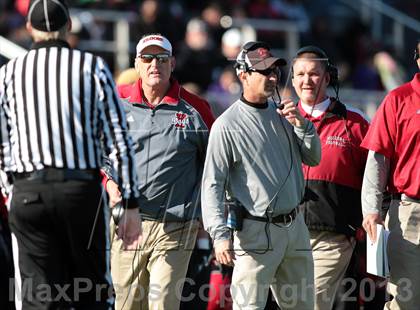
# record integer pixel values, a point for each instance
(205, 44)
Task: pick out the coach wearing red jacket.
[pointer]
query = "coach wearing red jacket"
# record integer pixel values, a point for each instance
(331, 205)
(393, 165)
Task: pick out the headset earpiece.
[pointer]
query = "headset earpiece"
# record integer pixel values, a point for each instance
(241, 63)
(333, 72)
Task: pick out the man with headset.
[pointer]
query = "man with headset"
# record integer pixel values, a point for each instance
(331, 207)
(255, 154)
(393, 165)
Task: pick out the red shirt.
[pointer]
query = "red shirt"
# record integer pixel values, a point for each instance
(343, 160)
(395, 133)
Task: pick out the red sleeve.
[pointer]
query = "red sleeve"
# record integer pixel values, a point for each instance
(383, 129)
(124, 90)
(104, 178)
(201, 105)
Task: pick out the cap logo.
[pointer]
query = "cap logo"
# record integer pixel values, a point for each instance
(156, 40)
(152, 38)
(263, 52)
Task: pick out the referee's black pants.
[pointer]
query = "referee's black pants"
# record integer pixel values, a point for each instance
(63, 239)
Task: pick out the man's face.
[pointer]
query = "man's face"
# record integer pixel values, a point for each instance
(310, 80)
(262, 83)
(154, 71)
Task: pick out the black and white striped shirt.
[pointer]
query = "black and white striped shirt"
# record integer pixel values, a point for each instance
(59, 108)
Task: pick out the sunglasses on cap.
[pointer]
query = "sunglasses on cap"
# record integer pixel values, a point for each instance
(148, 58)
(267, 71)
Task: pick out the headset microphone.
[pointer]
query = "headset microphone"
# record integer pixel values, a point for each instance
(279, 105)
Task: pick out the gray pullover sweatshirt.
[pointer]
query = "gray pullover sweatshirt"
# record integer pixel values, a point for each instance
(256, 156)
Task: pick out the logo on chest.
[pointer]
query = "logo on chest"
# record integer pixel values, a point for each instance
(180, 120)
(336, 140)
(130, 118)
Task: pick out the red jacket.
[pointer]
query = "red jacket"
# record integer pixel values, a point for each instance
(332, 198)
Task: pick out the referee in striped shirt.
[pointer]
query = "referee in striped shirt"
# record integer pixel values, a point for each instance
(59, 114)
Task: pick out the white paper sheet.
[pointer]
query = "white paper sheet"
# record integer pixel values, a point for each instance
(376, 256)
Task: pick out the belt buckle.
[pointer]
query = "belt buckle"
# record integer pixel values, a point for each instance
(287, 220)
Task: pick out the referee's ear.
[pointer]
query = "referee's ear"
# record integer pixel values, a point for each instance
(29, 27)
(69, 25)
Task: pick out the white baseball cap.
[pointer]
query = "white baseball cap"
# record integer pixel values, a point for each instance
(154, 39)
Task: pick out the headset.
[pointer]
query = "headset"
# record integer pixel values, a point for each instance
(241, 63)
(417, 51)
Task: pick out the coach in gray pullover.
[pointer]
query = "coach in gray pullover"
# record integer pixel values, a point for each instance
(255, 153)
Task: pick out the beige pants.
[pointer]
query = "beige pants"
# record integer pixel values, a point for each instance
(404, 255)
(283, 265)
(332, 253)
(153, 276)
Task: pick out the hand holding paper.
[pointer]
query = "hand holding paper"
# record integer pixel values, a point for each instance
(376, 256)
(370, 222)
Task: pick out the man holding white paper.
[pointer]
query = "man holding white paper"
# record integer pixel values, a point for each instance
(393, 165)
(377, 259)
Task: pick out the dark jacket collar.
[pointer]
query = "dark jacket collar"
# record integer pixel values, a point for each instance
(336, 108)
(50, 43)
(254, 105)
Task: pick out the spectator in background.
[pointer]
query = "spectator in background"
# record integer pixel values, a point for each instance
(393, 165)
(365, 74)
(231, 43)
(197, 56)
(292, 10)
(127, 76)
(221, 92)
(226, 83)
(212, 14)
(261, 9)
(154, 17)
(389, 71)
(331, 205)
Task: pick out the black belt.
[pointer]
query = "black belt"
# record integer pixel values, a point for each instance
(403, 197)
(285, 219)
(56, 174)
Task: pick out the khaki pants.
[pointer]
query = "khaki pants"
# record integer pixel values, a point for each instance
(332, 253)
(153, 276)
(281, 262)
(404, 255)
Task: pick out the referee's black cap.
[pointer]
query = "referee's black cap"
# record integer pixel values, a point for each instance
(48, 15)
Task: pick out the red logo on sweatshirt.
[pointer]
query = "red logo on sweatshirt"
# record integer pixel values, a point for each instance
(180, 120)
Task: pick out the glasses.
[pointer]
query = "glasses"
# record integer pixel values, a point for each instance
(268, 71)
(160, 58)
